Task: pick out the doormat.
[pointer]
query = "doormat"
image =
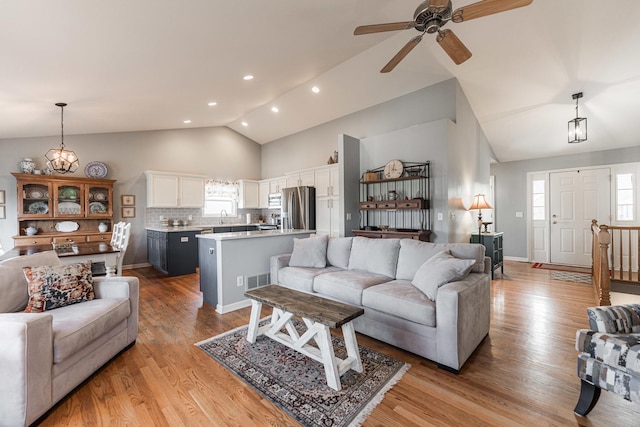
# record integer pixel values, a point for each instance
(560, 267)
(297, 384)
(571, 277)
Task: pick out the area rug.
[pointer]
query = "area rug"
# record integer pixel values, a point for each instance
(559, 267)
(297, 384)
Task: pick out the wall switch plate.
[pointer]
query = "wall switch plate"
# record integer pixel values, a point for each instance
(161, 217)
(348, 216)
(440, 216)
(452, 216)
(519, 214)
(239, 281)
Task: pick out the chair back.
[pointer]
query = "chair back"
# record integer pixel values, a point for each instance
(120, 241)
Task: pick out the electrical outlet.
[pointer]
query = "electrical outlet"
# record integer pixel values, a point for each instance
(161, 217)
(452, 216)
(239, 281)
(348, 216)
(190, 217)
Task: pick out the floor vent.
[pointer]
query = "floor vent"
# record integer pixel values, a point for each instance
(258, 281)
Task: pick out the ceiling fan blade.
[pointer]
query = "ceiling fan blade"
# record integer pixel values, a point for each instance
(380, 28)
(486, 7)
(402, 53)
(453, 46)
(438, 4)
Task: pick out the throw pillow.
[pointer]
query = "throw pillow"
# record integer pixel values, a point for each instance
(14, 293)
(439, 270)
(378, 256)
(56, 286)
(309, 252)
(338, 251)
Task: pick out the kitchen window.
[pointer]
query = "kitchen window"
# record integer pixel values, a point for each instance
(220, 198)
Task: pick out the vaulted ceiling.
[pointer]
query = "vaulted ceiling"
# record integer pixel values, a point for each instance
(152, 64)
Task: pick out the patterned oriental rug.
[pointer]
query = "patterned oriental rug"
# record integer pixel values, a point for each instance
(297, 384)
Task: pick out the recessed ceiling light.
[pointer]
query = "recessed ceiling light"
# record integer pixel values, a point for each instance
(245, 124)
(248, 77)
(186, 122)
(315, 89)
(212, 104)
(274, 109)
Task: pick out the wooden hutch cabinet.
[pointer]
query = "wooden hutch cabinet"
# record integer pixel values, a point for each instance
(63, 209)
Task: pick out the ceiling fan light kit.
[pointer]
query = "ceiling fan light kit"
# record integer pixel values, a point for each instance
(577, 126)
(431, 16)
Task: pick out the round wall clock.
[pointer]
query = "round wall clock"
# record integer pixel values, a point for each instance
(393, 169)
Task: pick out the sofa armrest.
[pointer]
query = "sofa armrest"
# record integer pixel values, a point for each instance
(615, 319)
(276, 263)
(26, 359)
(121, 287)
(488, 265)
(463, 315)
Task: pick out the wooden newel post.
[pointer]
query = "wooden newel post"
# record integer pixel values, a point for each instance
(604, 240)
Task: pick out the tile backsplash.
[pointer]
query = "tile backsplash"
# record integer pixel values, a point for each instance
(152, 216)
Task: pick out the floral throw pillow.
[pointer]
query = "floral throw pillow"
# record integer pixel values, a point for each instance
(56, 286)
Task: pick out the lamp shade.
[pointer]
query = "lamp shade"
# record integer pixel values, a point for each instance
(479, 202)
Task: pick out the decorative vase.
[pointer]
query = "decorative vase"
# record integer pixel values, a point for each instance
(103, 227)
(27, 165)
(335, 157)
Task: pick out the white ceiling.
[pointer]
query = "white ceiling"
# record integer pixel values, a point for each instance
(125, 65)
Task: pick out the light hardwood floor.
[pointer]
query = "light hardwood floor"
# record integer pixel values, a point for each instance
(524, 373)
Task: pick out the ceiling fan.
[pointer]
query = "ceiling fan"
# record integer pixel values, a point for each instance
(431, 16)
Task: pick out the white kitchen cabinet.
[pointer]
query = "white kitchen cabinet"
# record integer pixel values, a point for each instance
(327, 181)
(276, 185)
(302, 178)
(172, 190)
(263, 194)
(249, 194)
(328, 216)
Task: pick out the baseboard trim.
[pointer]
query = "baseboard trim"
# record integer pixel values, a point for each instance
(515, 258)
(222, 309)
(132, 266)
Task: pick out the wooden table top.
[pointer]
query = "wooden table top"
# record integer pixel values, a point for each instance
(79, 249)
(325, 311)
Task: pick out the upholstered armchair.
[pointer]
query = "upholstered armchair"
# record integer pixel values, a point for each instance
(609, 355)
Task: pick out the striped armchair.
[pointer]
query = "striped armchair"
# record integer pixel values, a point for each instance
(609, 355)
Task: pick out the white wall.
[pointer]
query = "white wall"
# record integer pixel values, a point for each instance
(216, 152)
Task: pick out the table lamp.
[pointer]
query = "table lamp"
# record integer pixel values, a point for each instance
(479, 202)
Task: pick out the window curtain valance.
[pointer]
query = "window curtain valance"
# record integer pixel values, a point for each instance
(214, 188)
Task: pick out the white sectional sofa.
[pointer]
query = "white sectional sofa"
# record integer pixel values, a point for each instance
(428, 307)
(46, 355)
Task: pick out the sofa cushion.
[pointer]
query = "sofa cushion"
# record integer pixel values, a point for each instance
(378, 256)
(75, 326)
(301, 278)
(414, 253)
(14, 288)
(439, 270)
(339, 251)
(400, 298)
(309, 252)
(347, 285)
(53, 286)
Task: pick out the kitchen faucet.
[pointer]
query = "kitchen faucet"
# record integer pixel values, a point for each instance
(225, 215)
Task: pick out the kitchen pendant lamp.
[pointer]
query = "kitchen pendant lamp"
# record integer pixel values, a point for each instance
(60, 159)
(577, 126)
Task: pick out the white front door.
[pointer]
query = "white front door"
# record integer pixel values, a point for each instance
(577, 197)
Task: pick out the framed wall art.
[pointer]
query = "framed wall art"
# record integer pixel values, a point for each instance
(128, 200)
(3, 212)
(128, 212)
(2, 197)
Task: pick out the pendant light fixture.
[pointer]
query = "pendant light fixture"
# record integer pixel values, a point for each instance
(60, 159)
(577, 126)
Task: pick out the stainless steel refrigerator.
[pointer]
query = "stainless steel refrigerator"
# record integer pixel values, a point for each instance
(298, 209)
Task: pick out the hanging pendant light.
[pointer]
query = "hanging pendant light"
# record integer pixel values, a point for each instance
(577, 126)
(60, 159)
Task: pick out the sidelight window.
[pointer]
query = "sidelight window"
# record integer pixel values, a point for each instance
(538, 197)
(624, 197)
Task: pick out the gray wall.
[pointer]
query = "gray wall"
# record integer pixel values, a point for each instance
(216, 152)
(511, 189)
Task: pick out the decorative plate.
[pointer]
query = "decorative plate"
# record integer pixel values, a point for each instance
(97, 207)
(96, 170)
(99, 196)
(35, 194)
(38, 208)
(69, 208)
(69, 193)
(67, 226)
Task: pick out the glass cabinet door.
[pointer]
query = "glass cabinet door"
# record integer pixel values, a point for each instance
(100, 201)
(35, 200)
(69, 200)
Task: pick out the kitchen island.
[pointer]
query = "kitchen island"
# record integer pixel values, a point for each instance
(231, 263)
